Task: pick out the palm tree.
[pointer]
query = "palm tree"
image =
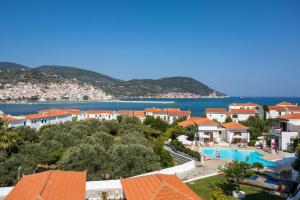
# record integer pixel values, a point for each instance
(8, 141)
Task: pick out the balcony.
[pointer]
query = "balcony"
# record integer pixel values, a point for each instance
(277, 131)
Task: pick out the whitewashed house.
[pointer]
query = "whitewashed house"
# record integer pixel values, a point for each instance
(13, 121)
(238, 115)
(38, 120)
(218, 114)
(100, 114)
(282, 108)
(248, 106)
(235, 133)
(208, 131)
(167, 114)
(287, 129)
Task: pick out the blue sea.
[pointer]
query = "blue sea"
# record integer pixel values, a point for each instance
(196, 106)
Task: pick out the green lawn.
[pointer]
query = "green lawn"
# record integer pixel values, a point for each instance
(203, 188)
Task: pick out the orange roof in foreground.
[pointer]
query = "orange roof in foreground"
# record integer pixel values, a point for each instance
(157, 187)
(50, 185)
(290, 116)
(233, 125)
(197, 121)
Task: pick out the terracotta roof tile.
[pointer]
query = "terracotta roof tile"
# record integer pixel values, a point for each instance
(99, 111)
(216, 110)
(245, 104)
(290, 116)
(50, 185)
(242, 111)
(197, 121)
(285, 103)
(233, 125)
(157, 187)
(277, 108)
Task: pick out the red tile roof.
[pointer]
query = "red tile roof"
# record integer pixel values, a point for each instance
(285, 103)
(242, 111)
(68, 110)
(50, 185)
(8, 118)
(216, 110)
(171, 109)
(197, 121)
(290, 116)
(293, 108)
(125, 112)
(179, 113)
(233, 125)
(46, 115)
(152, 109)
(245, 104)
(99, 112)
(277, 108)
(157, 187)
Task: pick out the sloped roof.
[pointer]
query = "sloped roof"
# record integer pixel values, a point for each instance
(50, 185)
(290, 116)
(278, 108)
(245, 104)
(157, 187)
(197, 121)
(99, 112)
(66, 110)
(285, 103)
(242, 111)
(234, 125)
(216, 110)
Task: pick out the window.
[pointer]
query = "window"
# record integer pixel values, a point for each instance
(234, 116)
(221, 115)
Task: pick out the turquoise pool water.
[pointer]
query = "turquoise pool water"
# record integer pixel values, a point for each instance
(250, 156)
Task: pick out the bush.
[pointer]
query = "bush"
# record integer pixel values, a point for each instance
(180, 147)
(251, 143)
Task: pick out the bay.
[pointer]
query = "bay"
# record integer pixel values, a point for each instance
(196, 106)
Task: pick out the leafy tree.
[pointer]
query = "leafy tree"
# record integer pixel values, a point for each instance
(236, 172)
(156, 123)
(257, 126)
(92, 158)
(218, 194)
(258, 166)
(133, 159)
(296, 164)
(9, 141)
(228, 119)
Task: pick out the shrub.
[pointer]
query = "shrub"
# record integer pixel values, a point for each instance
(180, 147)
(251, 143)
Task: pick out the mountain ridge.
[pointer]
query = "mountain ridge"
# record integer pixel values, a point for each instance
(13, 73)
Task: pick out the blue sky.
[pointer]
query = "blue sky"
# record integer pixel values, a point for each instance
(241, 48)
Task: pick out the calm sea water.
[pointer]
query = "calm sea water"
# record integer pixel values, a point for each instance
(196, 106)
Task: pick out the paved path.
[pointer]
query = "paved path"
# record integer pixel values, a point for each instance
(209, 167)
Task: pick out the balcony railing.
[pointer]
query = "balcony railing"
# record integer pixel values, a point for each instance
(276, 131)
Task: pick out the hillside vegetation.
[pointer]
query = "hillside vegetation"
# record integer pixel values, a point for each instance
(13, 73)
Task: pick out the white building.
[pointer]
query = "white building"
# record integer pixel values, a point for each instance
(251, 106)
(100, 114)
(239, 115)
(218, 114)
(282, 135)
(235, 133)
(167, 114)
(208, 131)
(38, 120)
(282, 108)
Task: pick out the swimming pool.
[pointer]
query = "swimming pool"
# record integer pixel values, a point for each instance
(250, 156)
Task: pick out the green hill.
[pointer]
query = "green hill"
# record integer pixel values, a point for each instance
(13, 73)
